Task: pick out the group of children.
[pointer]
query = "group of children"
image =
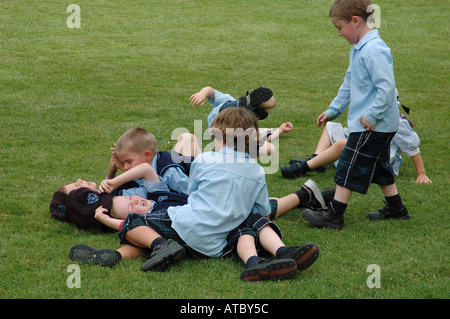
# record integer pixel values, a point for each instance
(216, 204)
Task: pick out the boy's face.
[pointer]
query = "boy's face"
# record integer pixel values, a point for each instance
(131, 159)
(124, 205)
(347, 29)
(81, 183)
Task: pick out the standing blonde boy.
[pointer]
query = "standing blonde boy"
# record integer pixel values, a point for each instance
(373, 118)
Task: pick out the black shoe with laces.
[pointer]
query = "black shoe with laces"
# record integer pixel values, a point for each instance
(264, 269)
(163, 256)
(323, 218)
(304, 255)
(320, 169)
(389, 212)
(292, 171)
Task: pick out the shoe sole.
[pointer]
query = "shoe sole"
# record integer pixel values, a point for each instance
(278, 269)
(88, 255)
(319, 222)
(163, 262)
(306, 255)
(316, 191)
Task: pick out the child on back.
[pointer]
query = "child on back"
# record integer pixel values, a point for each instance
(373, 118)
(260, 101)
(224, 213)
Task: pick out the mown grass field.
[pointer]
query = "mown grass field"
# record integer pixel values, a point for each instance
(67, 94)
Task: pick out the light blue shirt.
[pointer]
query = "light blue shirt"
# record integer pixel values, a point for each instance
(225, 188)
(144, 188)
(369, 87)
(219, 100)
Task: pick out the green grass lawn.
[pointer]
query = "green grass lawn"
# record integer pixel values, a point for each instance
(67, 94)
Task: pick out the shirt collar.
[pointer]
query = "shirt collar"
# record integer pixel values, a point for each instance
(366, 38)
(229, 150)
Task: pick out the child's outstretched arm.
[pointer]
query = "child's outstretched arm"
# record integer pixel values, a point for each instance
(144, 170)
(199, 98)
(420, 169)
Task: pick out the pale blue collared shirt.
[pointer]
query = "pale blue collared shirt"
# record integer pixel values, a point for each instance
(369, 87)
(225, 187)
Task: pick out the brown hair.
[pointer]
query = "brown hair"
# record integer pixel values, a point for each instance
(137, 140)
(346, 9)
(238, 128)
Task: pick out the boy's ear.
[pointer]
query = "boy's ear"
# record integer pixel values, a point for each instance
(356, 20)
(148, 154)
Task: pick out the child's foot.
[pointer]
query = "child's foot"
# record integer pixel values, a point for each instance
(304, 255)
(316, 195)
(164, 255)
(89, 255)
(320, 169)
(263, 269)
(327, 195)
(389, 212)
(294, 170)
(323, 218)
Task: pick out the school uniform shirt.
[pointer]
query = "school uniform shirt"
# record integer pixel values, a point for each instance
(219, 100)
(369, 87)
(225, 187)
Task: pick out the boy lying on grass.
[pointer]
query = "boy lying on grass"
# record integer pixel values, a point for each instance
(223, 215)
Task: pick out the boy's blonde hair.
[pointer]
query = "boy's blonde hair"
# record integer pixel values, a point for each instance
(346, 9)
(238, 129)
(137, 140)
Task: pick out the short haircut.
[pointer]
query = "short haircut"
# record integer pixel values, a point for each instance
(238, 128)
(137, 140)
(346, 9)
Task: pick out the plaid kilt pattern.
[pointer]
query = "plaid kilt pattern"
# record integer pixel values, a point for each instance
(251, 226)
(160, 222)
(365, 160)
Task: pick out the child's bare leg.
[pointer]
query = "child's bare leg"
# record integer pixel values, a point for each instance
(286, 203)
(142, 236)
(389, 190)
(246, 247)
(270, 240)
(324, 142)
(328, 155)
(128, 251)
(187, 145)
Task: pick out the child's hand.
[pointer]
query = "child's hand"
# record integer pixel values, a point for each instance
(100, 214)
(423, 179)
(286, 127)
(107, 186)
(322, 120)
(367, 125)
(197, 99)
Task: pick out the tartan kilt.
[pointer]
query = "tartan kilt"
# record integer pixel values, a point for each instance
(365, 160)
